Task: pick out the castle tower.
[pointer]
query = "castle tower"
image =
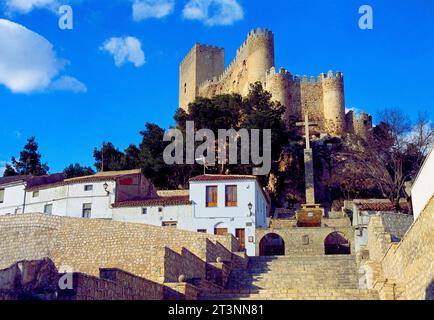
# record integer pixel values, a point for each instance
(350, 122)
(364, 125)
(260, 59)
(334, 103)
(279, 84)
(201, 63)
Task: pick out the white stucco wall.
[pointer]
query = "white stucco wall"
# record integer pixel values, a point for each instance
(13, 199)
(423, 187)
(182, 214)
(68, 200)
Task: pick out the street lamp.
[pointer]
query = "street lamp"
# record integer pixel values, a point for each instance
(105, 186)
(250, 206)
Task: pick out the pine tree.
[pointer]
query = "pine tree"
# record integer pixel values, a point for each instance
(9, 171)
(29, 162)
(76, 170)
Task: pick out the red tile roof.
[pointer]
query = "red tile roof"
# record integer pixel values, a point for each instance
(212, 177)
(161, 201)
(103, 176)
(14, 179)
(98, 177)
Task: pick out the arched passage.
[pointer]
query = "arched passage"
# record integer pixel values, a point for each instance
(336, 243)
(272, 245)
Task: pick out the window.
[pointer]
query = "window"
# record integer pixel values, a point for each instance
(88, 187)
(185, 88)
(160, 209)
(35, 194)
(211, 197)
(2, 195)
(231, 196)
(144, 210)
(201, 230)
(169, 224)
(48, 209)
(87, 209)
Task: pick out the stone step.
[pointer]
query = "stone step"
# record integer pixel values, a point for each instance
(296, 272)
(295, 294)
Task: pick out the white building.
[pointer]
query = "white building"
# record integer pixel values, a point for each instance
(217, 204)
(423, 187)
(83, 197)
(12, 194)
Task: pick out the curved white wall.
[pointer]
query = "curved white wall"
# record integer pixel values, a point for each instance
(423, 187)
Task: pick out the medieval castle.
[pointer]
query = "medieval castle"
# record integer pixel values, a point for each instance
(202, 73)
(113, 236)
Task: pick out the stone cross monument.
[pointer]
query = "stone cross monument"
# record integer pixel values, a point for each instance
(308, 162)
(310, 215)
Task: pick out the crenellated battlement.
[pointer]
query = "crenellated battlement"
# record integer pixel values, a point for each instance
(260, 33)
(200, 47)
(360, 124)
(332, 77)
(242, 55)
(283, 73)
(308, 80)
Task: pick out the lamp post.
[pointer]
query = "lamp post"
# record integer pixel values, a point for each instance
(250, 206)
(105, 186)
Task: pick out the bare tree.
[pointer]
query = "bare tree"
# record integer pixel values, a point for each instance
(395, 152)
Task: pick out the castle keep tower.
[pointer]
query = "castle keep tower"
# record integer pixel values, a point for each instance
(201, 63)
(322, 98)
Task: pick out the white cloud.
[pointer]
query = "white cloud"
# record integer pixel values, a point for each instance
(26, 6)
(146, 9)
(67, 83)
(355, 110)
(214, 12)
(28, 63)
(125, 49)
(18, 134)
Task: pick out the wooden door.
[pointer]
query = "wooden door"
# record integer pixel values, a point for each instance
(221, 231)
(240, 234)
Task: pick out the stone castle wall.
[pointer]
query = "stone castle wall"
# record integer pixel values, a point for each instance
(321, 97)
(403, 270)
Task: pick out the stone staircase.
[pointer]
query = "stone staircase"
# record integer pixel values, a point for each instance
(296, 278)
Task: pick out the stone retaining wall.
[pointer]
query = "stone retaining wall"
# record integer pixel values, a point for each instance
(86, 245)
(405, 270)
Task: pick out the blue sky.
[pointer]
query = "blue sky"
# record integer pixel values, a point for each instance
(85, 96)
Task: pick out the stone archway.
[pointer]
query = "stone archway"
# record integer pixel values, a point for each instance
(272, 245)
(336, 243)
